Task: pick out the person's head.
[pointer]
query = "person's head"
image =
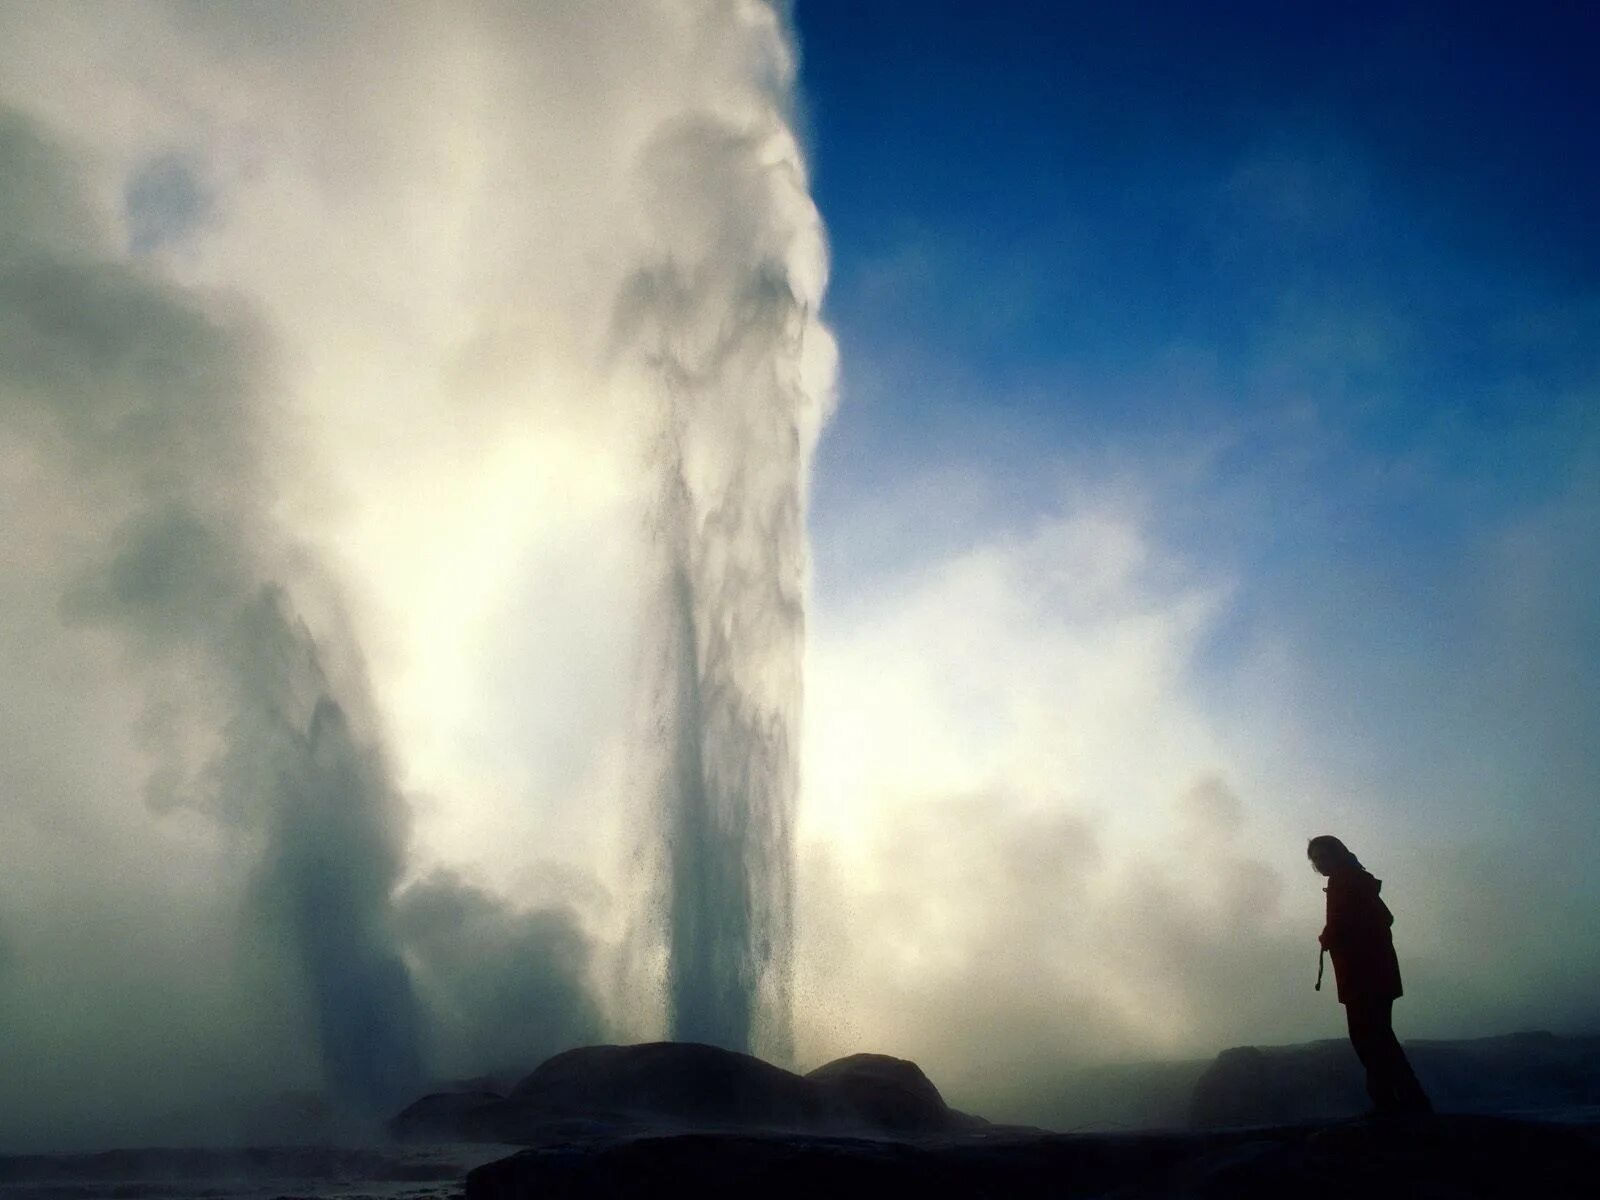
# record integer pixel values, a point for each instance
(1328, 854)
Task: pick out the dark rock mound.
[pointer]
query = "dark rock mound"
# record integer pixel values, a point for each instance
(885, 1093)
(600, 1091)
(449, 1116)
(1441, 1157)
(1231, 1089)
(682, 1082)
(1251, 1086)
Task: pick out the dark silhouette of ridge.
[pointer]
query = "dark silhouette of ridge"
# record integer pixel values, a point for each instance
(688, 1085)
(1535, 1073)
(685, 1082)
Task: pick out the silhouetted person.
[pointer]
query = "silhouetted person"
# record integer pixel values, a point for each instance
(1368, 974)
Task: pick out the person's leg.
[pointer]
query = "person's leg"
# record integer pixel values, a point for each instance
(1388, 1069)
(1401, 1079)
(1366, 1039)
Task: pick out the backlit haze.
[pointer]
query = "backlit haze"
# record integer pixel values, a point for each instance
(1195, 449)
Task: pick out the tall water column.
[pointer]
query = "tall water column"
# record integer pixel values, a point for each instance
(722, 327)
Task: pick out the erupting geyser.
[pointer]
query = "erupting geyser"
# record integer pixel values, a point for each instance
(722, 325)
(349, 354)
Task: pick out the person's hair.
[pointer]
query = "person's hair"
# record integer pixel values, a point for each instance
(1336, 851)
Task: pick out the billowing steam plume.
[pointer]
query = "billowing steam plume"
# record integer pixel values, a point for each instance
(156, 409)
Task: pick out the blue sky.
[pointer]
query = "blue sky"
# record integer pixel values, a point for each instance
(1323, 281)
(1080, 220)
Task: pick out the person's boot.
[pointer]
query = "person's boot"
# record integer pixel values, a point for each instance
(1408, 1091)
(1414, 1100)
(1384, 1102)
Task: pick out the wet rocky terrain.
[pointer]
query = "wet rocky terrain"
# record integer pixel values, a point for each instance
(1440, 1157)
(255, 1173)
(1521, 1119)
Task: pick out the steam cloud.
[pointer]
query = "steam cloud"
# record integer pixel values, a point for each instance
(156, 410)
(503, 988)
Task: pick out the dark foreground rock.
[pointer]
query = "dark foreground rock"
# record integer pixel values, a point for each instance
(612, 1090)
(1439, 1157)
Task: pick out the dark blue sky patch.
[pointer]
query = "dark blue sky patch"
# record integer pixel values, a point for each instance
(1092, 220)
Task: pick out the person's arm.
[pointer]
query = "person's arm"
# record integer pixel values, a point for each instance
(1335, 931)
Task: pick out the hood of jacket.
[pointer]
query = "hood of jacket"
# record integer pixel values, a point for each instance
(1354, 879)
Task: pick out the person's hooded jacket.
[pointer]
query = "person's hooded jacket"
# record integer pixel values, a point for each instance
(1358, 938)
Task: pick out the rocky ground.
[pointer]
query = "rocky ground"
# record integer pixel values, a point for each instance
(1440, 1157)
(258, 1173)
(668, 1118)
